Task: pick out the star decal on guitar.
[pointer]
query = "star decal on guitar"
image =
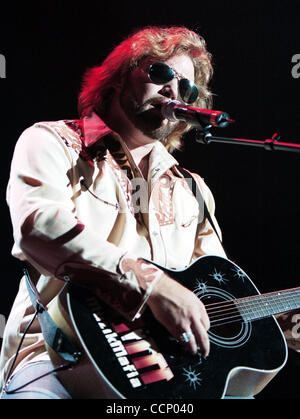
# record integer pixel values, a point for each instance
(201, 287)
(218, 276)
(239, 273)
(192, 377)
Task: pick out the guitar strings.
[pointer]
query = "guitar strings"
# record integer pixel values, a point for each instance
(259, 304)
(245, 306)
(234, 319)
(259, 297)
(253, 301)
(235, 316)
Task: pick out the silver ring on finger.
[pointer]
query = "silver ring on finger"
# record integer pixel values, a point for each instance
(185, 336)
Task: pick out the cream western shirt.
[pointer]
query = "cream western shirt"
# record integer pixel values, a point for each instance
(76, 209)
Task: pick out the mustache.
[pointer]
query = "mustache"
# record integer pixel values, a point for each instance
(143, 107)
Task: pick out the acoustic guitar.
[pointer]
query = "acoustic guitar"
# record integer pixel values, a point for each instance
(140, 360)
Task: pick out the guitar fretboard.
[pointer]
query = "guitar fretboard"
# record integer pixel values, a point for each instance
(264, 305)
(253, 308)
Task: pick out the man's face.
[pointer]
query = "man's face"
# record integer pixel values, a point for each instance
(140, 95)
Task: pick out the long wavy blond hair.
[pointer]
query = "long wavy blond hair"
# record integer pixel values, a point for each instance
(158, 43)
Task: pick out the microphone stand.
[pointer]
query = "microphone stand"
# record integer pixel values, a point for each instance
(205, 137)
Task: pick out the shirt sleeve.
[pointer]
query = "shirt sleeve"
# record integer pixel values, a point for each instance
(49, 235)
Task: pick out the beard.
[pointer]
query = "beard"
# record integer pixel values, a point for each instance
(146, 118)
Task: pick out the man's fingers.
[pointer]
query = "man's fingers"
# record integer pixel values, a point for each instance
(196, 338)
(190, 343)
(181, 312)
(201, 338)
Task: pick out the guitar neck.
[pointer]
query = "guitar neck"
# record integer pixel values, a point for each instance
(265, 305)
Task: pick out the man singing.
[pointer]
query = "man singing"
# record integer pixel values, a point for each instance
(73, 201)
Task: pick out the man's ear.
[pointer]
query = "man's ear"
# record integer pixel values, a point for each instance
(119, 84)
(117, 87)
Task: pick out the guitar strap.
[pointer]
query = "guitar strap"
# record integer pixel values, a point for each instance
(53, 335)
(198, 195)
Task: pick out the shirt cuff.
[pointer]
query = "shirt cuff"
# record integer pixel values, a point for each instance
(143, 273)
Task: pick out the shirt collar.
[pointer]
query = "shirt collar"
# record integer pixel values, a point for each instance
(95, 129)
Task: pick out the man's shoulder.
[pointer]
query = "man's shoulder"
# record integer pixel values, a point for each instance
(191, 176)
(69, 131)
(188, 174)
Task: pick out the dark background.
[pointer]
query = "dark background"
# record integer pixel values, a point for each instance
(48, 47)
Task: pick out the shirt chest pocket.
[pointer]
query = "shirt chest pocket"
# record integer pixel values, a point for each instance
(186, 207)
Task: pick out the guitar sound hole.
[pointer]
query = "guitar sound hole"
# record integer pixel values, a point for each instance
(224, 317)
(226, 326)
(227, 330)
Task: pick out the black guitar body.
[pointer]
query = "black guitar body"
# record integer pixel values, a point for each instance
(149, 363)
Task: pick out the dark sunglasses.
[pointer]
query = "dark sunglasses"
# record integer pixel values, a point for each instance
(161, 73)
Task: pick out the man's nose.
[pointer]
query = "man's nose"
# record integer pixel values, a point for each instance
(170, 89)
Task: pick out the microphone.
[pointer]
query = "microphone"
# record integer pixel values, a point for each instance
(174, 111)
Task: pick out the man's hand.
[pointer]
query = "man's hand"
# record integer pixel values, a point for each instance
(180, 311)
